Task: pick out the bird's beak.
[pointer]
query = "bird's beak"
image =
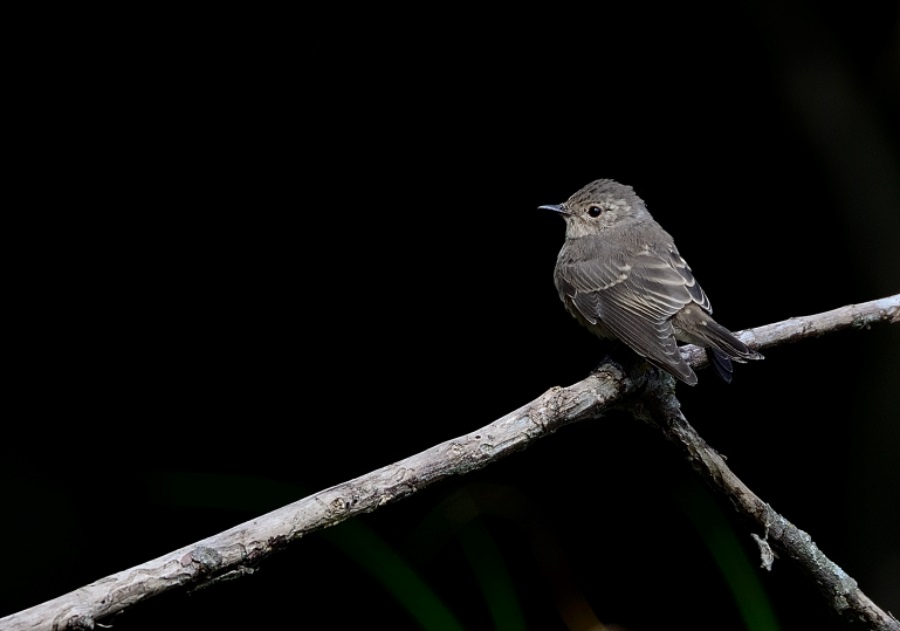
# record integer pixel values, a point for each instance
(557, 208)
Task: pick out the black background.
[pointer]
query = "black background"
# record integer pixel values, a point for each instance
(267, 255)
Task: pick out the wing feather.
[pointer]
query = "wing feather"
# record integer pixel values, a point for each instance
(635, 296)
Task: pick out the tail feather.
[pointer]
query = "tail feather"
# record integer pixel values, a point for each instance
(722, 364)
(724, 348)
(724, 341)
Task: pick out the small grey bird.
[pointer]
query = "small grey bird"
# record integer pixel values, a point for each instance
(621, 276)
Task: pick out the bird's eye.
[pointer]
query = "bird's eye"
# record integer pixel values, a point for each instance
(594, 211)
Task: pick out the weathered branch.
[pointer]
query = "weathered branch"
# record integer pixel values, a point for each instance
(660, 408)
(238, 549)
(860, 316)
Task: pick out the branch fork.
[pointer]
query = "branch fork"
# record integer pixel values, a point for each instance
(648, 394)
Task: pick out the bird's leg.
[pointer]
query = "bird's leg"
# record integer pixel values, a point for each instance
(620, 355)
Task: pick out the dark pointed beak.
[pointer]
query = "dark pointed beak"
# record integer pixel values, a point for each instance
(557, 208)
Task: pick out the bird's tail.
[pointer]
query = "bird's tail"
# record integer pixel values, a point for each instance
(722, 347)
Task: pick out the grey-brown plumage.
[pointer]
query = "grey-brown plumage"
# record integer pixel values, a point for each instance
(620, 274)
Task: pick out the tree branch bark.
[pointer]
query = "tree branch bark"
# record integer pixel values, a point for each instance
(236, 551)
(659, 407)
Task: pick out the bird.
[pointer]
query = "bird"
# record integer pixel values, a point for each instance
(621, 276)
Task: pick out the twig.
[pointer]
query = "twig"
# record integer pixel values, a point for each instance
(235, 551)
(659, 407)
(859, 316)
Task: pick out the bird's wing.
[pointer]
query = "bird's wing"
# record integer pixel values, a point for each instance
(635, 297)
(666, 276)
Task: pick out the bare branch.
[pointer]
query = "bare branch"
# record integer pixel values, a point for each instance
(659, 407)
(859, 316)
(236, 551)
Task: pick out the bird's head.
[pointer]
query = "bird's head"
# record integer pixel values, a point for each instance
(598, 207)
